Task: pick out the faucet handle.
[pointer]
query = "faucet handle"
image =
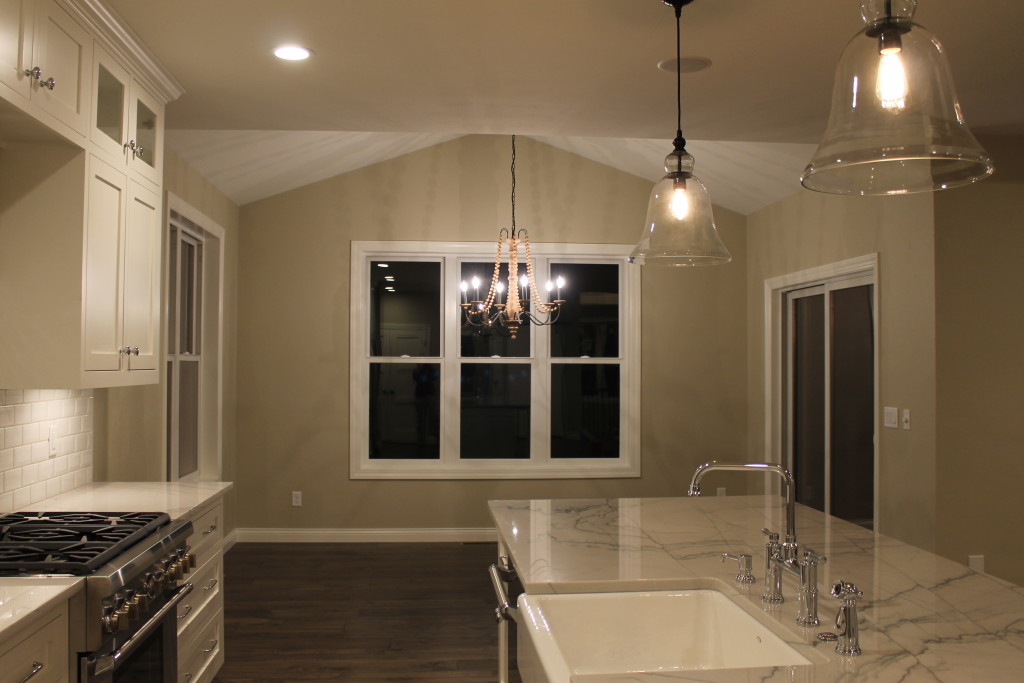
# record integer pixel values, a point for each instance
(745, 564)
(772, 536)
(846, 591)
(811, 557)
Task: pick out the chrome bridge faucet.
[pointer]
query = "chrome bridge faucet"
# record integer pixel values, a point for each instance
(779, 556)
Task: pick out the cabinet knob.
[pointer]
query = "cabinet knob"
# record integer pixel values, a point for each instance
(136, 148)
(34, 72)
(135, 350)
(49, 83)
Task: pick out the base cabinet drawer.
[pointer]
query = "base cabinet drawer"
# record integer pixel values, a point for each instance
(202, 654)
(207, 532)
(206, 582)
(39, 657)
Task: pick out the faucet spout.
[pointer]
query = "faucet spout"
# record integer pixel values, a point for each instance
(790, 545)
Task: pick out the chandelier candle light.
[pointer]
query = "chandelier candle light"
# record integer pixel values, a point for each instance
(522, 304)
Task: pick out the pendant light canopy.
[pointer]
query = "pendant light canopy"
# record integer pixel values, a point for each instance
(680, 229)
(896, 125)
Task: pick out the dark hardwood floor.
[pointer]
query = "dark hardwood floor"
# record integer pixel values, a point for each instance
(359, 612)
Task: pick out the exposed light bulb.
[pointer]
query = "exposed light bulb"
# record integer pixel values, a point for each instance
(523, 281)
(891, 87)
(464, 286)
(549, 286)
(560, 282)
(680, 204)
(476, 282)
(500, 287)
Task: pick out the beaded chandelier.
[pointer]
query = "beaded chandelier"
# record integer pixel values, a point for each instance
(497, 312)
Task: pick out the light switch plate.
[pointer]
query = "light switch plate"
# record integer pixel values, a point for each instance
(52, 439)
(892, 417)
(906, 418)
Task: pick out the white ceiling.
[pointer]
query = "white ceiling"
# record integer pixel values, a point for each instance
(392, 77)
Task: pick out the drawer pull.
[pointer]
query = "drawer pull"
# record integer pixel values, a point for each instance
(210, 587)
(213, 527)
(188, 608)
(36, 668)
(213, 646)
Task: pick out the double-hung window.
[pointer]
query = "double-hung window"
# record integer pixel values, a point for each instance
(434, 398)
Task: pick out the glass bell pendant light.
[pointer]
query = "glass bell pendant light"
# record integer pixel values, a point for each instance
(896, 125)
(680, 229)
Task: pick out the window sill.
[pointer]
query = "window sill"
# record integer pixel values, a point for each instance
(575, 469)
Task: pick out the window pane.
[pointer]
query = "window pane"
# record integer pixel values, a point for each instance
(588, 324)
(405, 308)
(584, 411)
(405, 413)
(477, 343)
(495, 415)
(188, 417)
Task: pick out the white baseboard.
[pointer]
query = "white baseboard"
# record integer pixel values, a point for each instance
(230, 539)
(270, 535)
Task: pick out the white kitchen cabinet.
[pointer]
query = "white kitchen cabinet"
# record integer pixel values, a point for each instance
(201, 614)
(38, 653)
(121, 299)
(61, 61)
(127, 121)
(15, 44)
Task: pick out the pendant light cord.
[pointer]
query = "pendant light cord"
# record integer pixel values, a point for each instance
(680, 142)
(513, 186)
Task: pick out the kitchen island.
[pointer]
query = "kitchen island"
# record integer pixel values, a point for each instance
(922, 617)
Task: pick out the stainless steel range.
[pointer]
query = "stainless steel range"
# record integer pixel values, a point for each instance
(133, 563)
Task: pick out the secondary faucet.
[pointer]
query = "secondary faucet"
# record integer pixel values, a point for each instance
(790, 546)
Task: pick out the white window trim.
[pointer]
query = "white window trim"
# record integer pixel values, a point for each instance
(450, 466)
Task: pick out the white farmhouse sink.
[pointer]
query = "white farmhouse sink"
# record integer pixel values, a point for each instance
(562, 636)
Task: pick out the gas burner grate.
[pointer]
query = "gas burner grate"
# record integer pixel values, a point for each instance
(70, 542)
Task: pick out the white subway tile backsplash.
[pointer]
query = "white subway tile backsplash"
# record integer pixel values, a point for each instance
(28, 473)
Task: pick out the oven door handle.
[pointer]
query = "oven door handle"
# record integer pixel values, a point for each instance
(113, 660)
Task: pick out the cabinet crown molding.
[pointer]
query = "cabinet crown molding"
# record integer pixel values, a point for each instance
(123, 43)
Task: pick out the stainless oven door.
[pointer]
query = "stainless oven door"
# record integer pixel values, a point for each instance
(149, 655)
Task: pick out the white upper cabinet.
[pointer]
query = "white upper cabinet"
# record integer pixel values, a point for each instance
(15, 44)
(81, 208)
(127, 121)
(61, 62)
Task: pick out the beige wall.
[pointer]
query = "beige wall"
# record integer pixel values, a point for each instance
(979, 243)
(810, 229)
(132, 447)
(293, 330)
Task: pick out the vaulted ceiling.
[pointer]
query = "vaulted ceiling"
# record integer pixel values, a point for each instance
(391, 77)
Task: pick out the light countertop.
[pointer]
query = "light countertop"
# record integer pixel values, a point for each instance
(922, 617)
(22, 596)
(174, 498)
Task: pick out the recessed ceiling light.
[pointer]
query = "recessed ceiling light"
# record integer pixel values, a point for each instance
(686, 65)
(292, 53)
(382, 265)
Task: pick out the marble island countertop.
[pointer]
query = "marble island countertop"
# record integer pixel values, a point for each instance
(922, 617)
(23, 596)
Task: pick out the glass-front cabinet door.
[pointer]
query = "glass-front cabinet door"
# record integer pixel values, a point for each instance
(127, 122)
(110, 106)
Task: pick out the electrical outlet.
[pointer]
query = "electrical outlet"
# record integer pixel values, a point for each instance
(891, 417)
(977, 563)
(52, 438)
(296, 499)
(721, 491)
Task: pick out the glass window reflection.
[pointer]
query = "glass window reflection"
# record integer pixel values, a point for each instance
(588, 324)
(405, 308)
(584, 411)
(495, 410)
(405, 413)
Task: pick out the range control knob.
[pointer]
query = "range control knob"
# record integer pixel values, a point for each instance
(123, 619)
(110, 623)
(176, 570)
